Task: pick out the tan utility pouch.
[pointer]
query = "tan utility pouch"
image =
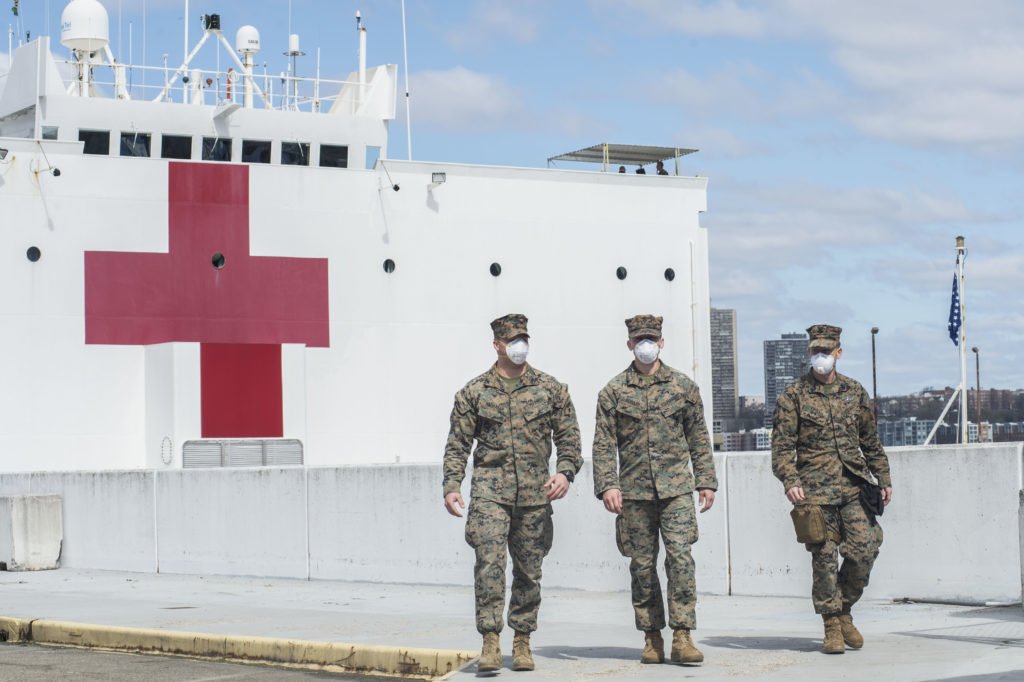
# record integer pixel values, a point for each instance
(809, 522)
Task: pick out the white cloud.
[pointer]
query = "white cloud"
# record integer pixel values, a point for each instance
(462, 100)
(493, 20)
(925, 72)
(459, 99)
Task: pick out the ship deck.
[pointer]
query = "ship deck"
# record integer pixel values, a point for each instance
(582, 635)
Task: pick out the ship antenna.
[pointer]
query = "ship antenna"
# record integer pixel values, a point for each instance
(408, 119)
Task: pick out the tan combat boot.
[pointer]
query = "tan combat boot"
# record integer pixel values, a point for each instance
(490, 656)
(654, 647)
(522, 659)
(683, 650)
(851, 635)
(833, 635)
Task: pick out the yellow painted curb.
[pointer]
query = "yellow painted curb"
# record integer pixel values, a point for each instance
(15, 629)
(363, 658)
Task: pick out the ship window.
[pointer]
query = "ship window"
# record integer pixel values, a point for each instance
(176, 147)
(135, 144)
(294, 153)
(216, 149)
(50, 132)
(255, 151)
(372, 154)
(96, 141)
(333, 156)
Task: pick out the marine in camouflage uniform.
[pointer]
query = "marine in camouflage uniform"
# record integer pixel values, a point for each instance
(824, 447)
(650, 430)
(513, 421)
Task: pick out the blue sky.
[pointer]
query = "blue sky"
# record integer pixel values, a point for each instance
(847, 144)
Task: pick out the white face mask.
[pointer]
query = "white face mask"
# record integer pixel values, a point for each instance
(823, 363)
(517, 351)
(646, 351)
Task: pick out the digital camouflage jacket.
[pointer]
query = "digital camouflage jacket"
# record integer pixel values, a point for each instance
(513, 433)
(821, 429)
(655, 424)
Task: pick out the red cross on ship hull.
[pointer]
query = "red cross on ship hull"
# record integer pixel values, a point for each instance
(240, 313)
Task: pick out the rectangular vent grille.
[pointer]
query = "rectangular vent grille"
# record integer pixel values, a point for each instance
(247, 452)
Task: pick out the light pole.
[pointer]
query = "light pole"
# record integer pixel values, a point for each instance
(977, 388)
(874, 374)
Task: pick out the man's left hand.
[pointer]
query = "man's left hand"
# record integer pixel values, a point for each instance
(558, 486)
(886, 495)
(707, 498)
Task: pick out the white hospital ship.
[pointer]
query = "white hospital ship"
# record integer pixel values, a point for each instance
(226, 269)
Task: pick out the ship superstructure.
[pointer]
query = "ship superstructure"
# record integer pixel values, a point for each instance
(213, 273)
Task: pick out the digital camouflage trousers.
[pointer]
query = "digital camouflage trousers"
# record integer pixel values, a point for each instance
(526, 532)
(636, 531)
(851, 534)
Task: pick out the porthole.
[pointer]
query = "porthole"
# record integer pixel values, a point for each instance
(620, 272)
(218, 260)
(389, 266)
(495, 269)
(670, 274)
(33, 254)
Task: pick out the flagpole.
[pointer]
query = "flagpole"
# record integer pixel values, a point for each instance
(961, 253)
(958, 335)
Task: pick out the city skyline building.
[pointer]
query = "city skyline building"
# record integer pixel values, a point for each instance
(724, 364)
(785, 360)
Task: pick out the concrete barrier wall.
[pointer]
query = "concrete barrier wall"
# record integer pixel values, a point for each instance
(952, 531)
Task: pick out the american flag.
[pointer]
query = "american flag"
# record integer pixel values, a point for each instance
(954, 313)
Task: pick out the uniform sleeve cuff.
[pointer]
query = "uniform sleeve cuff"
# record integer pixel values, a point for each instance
(452, 487)
(792, 483)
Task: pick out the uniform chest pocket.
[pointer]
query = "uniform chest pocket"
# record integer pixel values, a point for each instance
(490, 423)
(628, 419)
(537, 415)
(673, 408)
(812, 416)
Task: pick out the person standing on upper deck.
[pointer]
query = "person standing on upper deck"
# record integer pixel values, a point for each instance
(650, 430)
(826, 452)
(513, 412)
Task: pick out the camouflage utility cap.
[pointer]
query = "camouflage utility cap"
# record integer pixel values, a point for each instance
(644, 325)
(824, 336)
(509, 326)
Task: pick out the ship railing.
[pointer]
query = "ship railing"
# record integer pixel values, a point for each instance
(280, 92)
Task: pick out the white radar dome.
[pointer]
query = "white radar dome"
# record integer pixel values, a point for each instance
(84, 26)
(247, 40)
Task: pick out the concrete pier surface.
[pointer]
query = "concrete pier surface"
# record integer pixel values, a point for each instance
(583, 635)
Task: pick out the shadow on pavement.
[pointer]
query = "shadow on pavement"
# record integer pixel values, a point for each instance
(1008, 676)
(1010, 613)
(763, 643)
(570, 653)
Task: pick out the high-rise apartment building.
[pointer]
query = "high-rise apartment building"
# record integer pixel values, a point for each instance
(724, 364)
(785, 360)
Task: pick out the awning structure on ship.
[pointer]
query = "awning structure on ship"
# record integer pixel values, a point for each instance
(608, 155)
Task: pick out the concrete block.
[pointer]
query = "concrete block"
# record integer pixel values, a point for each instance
(385, 524)
(388, 524)
(765, 556)
(31, 532)
(232, 521)
(950, 531)
(109, 524)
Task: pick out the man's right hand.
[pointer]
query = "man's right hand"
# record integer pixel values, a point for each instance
(612, 499)
(453, 500)
(796, 494)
